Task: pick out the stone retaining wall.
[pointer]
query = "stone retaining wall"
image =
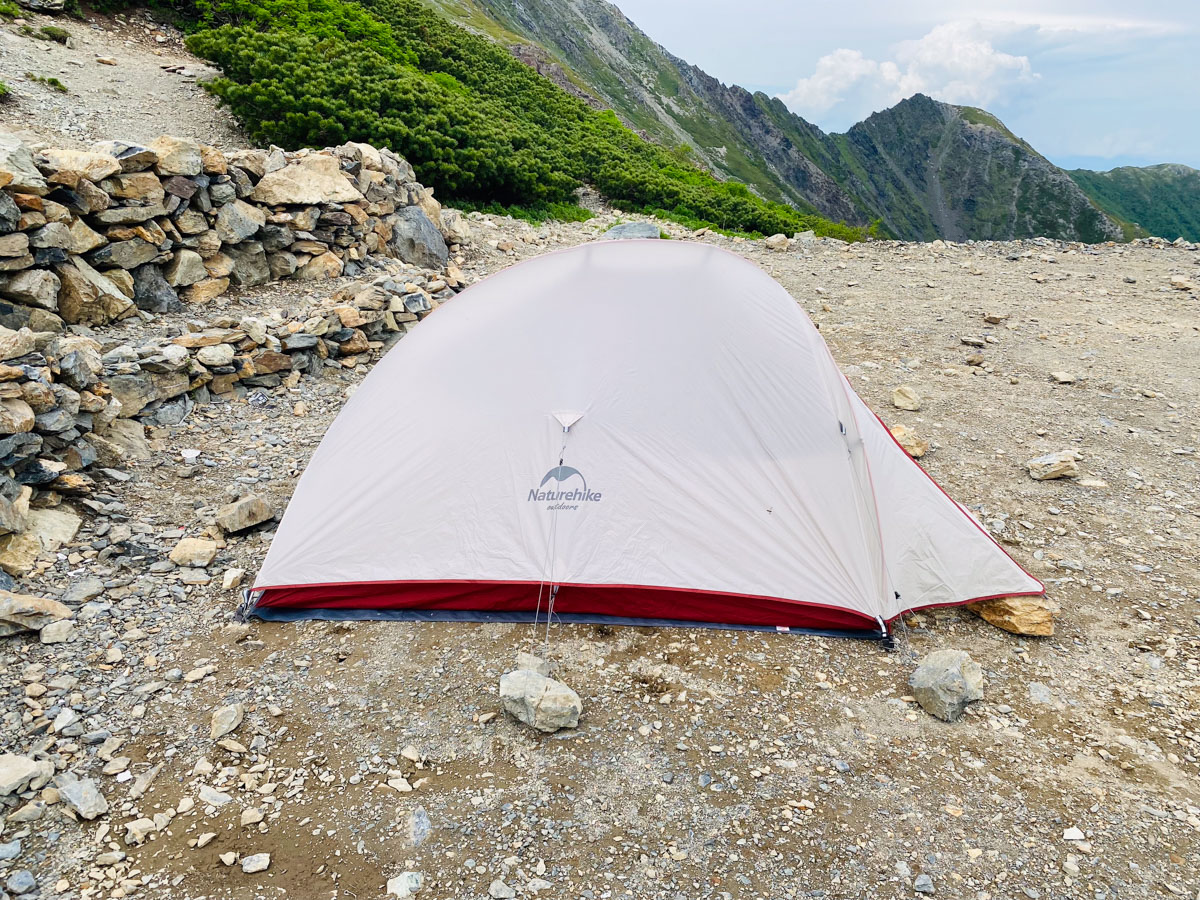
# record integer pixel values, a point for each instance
(89, 238)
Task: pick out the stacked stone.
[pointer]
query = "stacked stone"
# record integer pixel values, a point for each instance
(157, 382)
(51, 403)
(122, 231)
(88, 237)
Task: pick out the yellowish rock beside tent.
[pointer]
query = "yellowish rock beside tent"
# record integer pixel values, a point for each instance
(1032, 616)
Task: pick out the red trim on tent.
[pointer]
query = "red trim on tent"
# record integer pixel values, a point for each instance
(623, 600)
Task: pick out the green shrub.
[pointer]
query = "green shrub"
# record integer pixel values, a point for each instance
(9, 9)
(535, 213)
(50, 82)
(5, 92)
(473, 121)
(53, 33)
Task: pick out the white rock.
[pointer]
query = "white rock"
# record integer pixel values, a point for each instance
(212, 796)
(540, 702)
(16, 772)
(138, 830)
(1062, 464)
(405, 884)
(226, 719)
(56, 632)
(258, 862)
(906, 397)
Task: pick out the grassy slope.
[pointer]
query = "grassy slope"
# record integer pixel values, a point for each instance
(1163, 200)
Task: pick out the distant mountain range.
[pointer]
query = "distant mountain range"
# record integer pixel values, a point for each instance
(922, 169)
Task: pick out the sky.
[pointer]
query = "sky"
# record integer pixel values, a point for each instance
(1094, 84)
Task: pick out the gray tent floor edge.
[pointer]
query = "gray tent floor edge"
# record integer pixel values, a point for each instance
(272, 614)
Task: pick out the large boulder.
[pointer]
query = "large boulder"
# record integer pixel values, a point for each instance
(23, 612)
(945, 682)
(143, 187)
(124, 254)
(46, 531)
(250, 266)
(416, 240)
(455, 227)
(186, 267)
(1033, 616)
(312, 179)
(540, 702)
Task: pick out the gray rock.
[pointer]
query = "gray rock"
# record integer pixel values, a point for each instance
(222, 192)
(250, 266)
(540, 702)
(299, 341)
(33, 287)
(82, 590)
(187, 267)
(152, 293)
(124, 254)
(632, 231)
(81, 794)
(1040, 694)
(11, 850)
(133, 158)
(56, 234)
(282, 264)
(238, 221)
(945, 682)
(416, 240)
(21, 882)
(923, 884)
(245, 513)
(532, 663)
(10, 214)
(498, 890)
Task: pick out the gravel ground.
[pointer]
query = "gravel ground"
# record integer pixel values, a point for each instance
(706, 764)
(135, 99)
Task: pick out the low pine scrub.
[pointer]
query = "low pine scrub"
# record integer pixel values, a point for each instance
(476, 123)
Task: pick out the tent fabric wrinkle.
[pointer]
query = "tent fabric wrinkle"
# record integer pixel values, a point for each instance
(655, 428)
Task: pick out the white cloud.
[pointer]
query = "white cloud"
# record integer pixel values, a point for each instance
(955, 62)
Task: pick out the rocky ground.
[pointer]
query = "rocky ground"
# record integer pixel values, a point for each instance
(706, 764)
(124, 73)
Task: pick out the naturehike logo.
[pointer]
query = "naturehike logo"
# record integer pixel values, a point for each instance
(568, 490)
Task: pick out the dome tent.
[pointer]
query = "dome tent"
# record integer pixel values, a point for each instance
(642, 431)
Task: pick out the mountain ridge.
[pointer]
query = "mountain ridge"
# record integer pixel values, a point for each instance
(922, 169)
(1162, 199)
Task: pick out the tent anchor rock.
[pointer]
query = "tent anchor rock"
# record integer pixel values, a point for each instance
(648, 432)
